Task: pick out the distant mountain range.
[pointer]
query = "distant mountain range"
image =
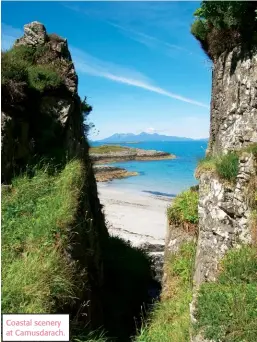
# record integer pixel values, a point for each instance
(133, 138)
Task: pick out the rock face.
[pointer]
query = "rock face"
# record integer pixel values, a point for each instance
(224, 216)
(234, 101)
(27, 120)
(224, 210)
(44, 125)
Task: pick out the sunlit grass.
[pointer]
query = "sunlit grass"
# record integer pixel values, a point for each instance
(170, 320)
(36, 214)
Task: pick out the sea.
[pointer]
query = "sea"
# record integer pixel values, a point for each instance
(161, 177)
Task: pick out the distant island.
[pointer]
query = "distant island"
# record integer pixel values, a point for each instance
(142, 137)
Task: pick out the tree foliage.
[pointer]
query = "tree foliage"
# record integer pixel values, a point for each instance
(86, 110)
(221, 25)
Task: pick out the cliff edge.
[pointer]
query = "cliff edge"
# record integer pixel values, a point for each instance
(49, 181)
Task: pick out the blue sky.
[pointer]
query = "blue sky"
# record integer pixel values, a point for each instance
(137, 62)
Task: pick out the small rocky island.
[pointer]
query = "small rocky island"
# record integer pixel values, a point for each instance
(115, 153)
(105, 173)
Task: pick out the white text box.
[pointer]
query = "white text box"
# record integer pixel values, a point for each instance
(35, 327)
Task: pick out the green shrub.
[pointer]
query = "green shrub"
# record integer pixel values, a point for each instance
(221, 25)
(184, 208)
(13, 69)
(43, 77)
(21, 53)
(36, 214)
(199, 30)
(170, 319)
(19, 65)
(227, 309)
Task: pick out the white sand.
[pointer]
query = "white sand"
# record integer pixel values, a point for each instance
(133, 216)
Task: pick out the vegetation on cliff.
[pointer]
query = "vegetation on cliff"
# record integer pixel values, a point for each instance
(184, 209)
(225, 166)
(24, 74)
(170, 320)
(36, 215)
(222, 25)
(57, 255)
(226, 310)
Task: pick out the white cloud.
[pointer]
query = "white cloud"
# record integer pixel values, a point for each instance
(88, 64)
(150, 130)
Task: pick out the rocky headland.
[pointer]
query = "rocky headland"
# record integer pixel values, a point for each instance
(113, 153)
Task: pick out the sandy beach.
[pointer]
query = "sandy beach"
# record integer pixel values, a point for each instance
(134, 216)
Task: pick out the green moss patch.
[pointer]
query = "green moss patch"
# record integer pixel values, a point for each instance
(227, 309)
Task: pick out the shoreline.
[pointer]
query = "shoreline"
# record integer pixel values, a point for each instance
(134, 216)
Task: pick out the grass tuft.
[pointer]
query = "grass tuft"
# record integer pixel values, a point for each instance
(36, 214)
(226, 166)
(170, 319)
(93, 336)
(184, 208)
(227, 309)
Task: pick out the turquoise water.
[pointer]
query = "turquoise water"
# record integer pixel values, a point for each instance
(163, 177)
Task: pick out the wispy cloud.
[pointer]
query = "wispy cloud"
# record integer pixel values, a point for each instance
(161, 14)
(145, 17)
(88, 64)
(8, 35)
(148, 40)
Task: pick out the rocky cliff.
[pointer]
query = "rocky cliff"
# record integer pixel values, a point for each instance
(224, 209)
(234, 101)
(43, 122)
(225, 234)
